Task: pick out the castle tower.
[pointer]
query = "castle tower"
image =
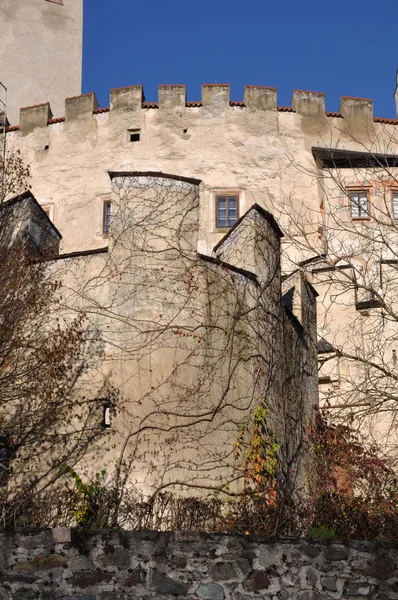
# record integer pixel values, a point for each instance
(40, 52)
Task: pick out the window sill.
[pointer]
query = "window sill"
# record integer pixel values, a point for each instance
(367, 304)
(222, 229)
(360, 218)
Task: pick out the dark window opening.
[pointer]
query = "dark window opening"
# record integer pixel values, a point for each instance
(134, 135)
(227, 209)
(106, 225)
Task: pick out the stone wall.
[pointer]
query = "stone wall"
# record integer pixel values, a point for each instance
(123, 565)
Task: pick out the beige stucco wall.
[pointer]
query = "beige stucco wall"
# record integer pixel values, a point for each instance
(40, 52)
(254, 149)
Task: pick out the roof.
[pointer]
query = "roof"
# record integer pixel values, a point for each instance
(336, 158)
(222, 264)
(81, 253)
(27, 195)
(264, 213)
(157, 174)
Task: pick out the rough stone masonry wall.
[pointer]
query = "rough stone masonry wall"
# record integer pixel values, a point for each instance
(119, 565)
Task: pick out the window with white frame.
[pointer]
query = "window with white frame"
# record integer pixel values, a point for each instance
(227, 210)
(394, 204)
(359, 204)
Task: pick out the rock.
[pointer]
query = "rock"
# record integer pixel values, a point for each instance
(42, 562)
(312, 577)
(118, 558)
(329, 583)
(25, 594)
(61, 535)
(383, 567)
(135, 577)
(165, 585)
(332, 554)
(357, 588)
(83, 579)
(310, 551)
(257, 580)
(223, 571)
(210, 591)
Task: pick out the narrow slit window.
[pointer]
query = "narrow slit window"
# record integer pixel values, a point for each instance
(227, 208)
(106, 416)
(394, 205)
(359, 204)
(106, 226)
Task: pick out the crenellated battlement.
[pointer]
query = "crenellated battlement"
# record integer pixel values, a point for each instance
(215, 97)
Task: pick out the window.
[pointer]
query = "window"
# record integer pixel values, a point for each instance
(49, 210)
(106, 416)
(134, 135)
(394, 205)
(227, 209)
(106, 224)
(359, 204)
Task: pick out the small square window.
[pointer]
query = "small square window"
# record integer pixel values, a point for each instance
(227, 210)
(394, 205)
(359, 204)
(134, 135)
(106, 224)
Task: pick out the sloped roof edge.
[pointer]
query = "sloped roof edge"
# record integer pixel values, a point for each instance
(264, 213)
(160, 174)
(25, 196)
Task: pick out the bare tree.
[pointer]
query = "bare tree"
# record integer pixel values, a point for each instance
(45, 419)
(348, 242)
(194, 344)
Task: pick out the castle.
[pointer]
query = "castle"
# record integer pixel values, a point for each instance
(170, 214)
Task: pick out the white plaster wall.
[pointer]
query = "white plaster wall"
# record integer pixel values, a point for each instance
(40, 52)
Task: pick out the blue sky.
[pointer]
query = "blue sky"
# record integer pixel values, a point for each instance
(342, 49)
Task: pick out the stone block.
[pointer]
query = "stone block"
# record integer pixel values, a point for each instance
(333, 554)
(130, 98)
(42, 562)
(356, 108)
(260, 98)
(329, 583)
(256, 581)
(172, 96)
(215, 94)
(31, 117)
(210, 591)
(166, 585)
(61, 535)
(223, 571)
(80, 106)
(357, 588)
(84, 579)
(307, 103)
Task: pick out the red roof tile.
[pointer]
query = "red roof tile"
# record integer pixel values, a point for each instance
(55, 120)
(285, 109)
